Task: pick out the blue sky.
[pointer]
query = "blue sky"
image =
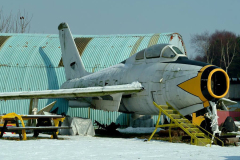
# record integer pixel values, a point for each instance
(97, 17)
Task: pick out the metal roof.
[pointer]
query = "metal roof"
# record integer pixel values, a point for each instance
(31, 62)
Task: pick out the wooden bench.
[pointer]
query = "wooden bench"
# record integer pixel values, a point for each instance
(44, 124)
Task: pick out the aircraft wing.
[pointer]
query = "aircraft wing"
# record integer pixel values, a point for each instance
(75, 92)
(227, 102)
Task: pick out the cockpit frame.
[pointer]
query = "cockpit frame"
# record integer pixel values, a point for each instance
(157, 53)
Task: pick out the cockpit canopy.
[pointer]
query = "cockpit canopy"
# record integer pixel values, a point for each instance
(163, 50)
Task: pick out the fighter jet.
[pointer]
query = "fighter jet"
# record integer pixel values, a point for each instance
(160, 73)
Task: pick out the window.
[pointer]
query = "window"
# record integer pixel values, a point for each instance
(177, 50)
(140, 55)
(154, 51)
(168, 53)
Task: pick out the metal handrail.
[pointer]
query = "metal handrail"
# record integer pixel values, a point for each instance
(209, 133)
(179, 125)
(198, 126)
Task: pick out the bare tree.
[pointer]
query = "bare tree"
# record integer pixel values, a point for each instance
(201, 44)
(225, 44)
(5, 22)
(22, 22)
(15, 24)
(219, 48)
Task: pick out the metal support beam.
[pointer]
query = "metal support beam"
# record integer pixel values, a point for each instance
(30, 112)
(35, 106)
(35, 109)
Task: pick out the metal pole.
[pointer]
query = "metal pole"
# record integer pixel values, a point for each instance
(35, 108)
(30, 112)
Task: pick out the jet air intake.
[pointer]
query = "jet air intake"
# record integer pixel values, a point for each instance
(210, 83)
(214, 83)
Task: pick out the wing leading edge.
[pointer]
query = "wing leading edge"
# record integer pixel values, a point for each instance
(75, 92)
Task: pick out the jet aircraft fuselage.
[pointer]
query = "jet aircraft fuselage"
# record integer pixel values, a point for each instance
(165, 73)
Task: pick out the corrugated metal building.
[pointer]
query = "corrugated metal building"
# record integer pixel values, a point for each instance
(234, 93)
(30, 62)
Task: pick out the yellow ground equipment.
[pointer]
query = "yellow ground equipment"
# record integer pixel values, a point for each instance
(21, 130)
(178, 120)
(197, 120)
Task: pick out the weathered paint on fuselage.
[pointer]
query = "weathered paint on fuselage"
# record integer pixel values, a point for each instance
(160, 81)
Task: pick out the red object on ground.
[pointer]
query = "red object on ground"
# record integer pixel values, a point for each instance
(224, 114)
(9, 125)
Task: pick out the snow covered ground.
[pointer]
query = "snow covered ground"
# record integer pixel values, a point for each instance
(138, 130)
(97, 148)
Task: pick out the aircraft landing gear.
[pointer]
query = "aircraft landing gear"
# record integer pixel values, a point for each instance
(214, 119)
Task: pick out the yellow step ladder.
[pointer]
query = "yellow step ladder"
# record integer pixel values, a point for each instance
(177, 120)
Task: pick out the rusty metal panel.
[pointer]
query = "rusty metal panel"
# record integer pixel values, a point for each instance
(176, 39)
(3, 40)
(164, 38)
(81, 44)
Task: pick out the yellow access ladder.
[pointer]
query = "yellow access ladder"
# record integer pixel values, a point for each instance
(177, 120)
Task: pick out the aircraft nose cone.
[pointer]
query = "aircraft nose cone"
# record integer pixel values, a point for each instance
(211, 82)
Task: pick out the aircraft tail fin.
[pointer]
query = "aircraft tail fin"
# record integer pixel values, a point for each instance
(74, 67)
